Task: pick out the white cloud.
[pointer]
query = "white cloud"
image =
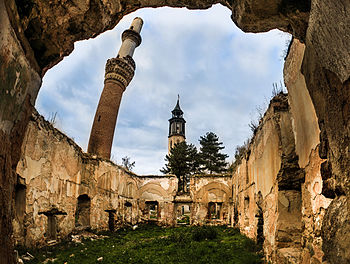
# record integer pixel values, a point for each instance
(220, 73)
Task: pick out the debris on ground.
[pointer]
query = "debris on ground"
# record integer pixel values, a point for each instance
(27, 257)
(49, 260)
(78, 238)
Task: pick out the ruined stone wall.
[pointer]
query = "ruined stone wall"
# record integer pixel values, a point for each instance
(279, 183)
(61, 190)
(160, 189)
(214, 190)
(57, 180)
(59, 177)
(19, 85)
(307, 140)
(267, 194)
(37, 34)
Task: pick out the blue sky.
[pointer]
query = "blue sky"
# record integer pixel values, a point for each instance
(221, 74)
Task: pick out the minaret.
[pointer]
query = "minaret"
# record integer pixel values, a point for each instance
(118, 74)
(176, 126)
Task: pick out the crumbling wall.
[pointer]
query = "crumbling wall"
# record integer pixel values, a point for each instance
(37, 34)
(267, 186)
(19, 85)
(160, 190)
(210, 191)
(67, 190)
(307, 146)
(281, 175)
(77, 189)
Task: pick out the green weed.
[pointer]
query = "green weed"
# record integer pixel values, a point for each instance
(156, 245)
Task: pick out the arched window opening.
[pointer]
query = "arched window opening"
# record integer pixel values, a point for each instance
(183, 213)
(82, 215)
(20, 202)
(214, 210)
(128, 212)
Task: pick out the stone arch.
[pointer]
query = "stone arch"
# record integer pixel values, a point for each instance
(43, 47)
(213, 199)
(214, 186)
(249, 20)
(151, 188)
(82, 214)
(128, 209)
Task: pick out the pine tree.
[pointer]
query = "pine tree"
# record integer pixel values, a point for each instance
(182, 161)
(210, 158)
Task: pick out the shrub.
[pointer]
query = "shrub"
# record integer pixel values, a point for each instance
(204, 233)
(180, 236)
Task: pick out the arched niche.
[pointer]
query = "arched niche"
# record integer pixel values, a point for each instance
(83, 211)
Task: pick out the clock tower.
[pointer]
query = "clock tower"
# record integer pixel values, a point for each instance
(176, 127)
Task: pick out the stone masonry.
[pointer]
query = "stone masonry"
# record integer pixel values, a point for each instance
(36, 35)
(60, 183)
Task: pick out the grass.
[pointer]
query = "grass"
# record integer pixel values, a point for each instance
(153, 244)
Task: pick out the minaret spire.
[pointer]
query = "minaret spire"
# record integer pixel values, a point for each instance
(118, 74)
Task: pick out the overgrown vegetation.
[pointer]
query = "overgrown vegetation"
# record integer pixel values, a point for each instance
(210, 157)
(153, 244)
(242, 151)
(127, 163)
(184, 160)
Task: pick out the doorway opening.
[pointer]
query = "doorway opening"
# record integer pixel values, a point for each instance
(82, 215)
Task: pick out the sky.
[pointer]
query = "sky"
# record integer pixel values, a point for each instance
(221, 74)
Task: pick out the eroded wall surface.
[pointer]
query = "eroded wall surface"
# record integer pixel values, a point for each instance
(278, 187)
(37, 34)
(60, 190)
(309, 150)
(275, 195)
(211, 191)
(57, 176)
(160, 189)
(267, 194)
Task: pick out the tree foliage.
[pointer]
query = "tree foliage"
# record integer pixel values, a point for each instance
(240, 154)
(127, 164)
(182, 161)
(210, 158)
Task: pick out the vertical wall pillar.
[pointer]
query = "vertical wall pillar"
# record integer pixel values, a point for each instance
(118, 74)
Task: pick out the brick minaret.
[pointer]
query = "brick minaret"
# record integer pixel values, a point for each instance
(118, 74)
